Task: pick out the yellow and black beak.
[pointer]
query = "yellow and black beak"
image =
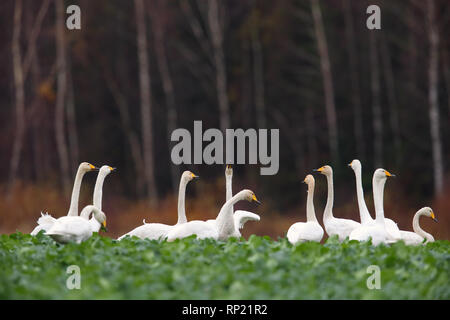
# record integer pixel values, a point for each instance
(433, 217)
(388, 174)
(93, 168)
(255, 200)
(350, 164)
(195, 177)
(103, 227)
(229, 166)
(319, 170)
(112, 168)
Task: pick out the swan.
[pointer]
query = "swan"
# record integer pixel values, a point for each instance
(77, 229)
(376, 231)
(334, 226)
(310, 230)
(240, 217)
(366, 219)
(155, 231)
(46, 220)
(417, 237)
(98, 191)
(223, 227)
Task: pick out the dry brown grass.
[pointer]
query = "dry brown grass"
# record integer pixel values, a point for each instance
(22, 209)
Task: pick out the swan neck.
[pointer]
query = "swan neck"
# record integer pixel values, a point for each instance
(181, 200)
(417, 229)
(98, 189)
(378, 190)
(229, 191)
(310, 212)
(363, 211)
(328, 213)
(224, 220)
(73, 209)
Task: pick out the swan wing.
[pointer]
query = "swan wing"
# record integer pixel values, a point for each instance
(305, 231)
(392, 230)
(241, 217)
(341, 227)
(411, 238)
(70, 228)
(44, 223)
(202, 229)
(151, 231)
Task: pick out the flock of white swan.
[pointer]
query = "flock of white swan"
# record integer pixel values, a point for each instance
(74, 228)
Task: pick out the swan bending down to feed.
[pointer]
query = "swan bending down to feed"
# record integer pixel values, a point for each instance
(366, 219)
(156, 231)
(376, 231)
(77, 229)
(221, 229)
(240, 217)
(310, 230)
(334, 226)
(46, 221)
(417, 237)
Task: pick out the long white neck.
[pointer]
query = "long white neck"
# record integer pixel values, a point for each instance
(310, 212)
(73, 209)
(181, 199)
(224, 221)
(378, 190)
(86, 212)
(229, 191)
(98, 189)
(328, 213)
(363, 211)
(417, 229)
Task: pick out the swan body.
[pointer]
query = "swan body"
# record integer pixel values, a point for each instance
(417, 237)
(335, 226)
(157, 231)
(220, 229)
(377, 230)
(46, 221)
(310, 230)
(366, 219)
(76, 229)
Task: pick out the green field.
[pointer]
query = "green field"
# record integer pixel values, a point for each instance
(257, 268)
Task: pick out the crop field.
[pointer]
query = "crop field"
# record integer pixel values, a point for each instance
(257, 268)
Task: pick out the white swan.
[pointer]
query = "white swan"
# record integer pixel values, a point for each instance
(240, 217)
(376, 231)
(46, 220)
(223, 227)
(310, 230)
(366, 219)
(417, 237)
(77, 229)
(334, 226)
(98, 191)
(155, 231)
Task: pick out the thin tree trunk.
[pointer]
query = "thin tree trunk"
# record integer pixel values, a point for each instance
(219, 62)
(169, 94)
(72, 123)
(311, 135)
(354, 82)
(245, 86)
(61, 143)
(393, 106)
(436, 143)
(146, 104)
(258, 75)
(376, 106)
(19, 96)
(327, 80)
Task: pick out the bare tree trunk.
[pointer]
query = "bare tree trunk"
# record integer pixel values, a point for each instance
(19, 96)
(354, 82)
(169, 94)
(447, 79)
(258, 75)
(311, 135)
(376, 106)
(436, 143)
(216, 32)
(61, 143)
(393, 106)
(72, 122)
(146, 104)
(327, 79)
(245, 86)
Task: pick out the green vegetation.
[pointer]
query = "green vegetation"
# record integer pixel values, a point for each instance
(260, 268)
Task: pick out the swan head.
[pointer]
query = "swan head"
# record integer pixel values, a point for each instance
(188, 176)
(248, 195)
(427, 211)
(98, 215)
(325, 170)
(309, 179)
(105, 170)
(355, 164)
(228, 171)
(381, 174)
(86, 167)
